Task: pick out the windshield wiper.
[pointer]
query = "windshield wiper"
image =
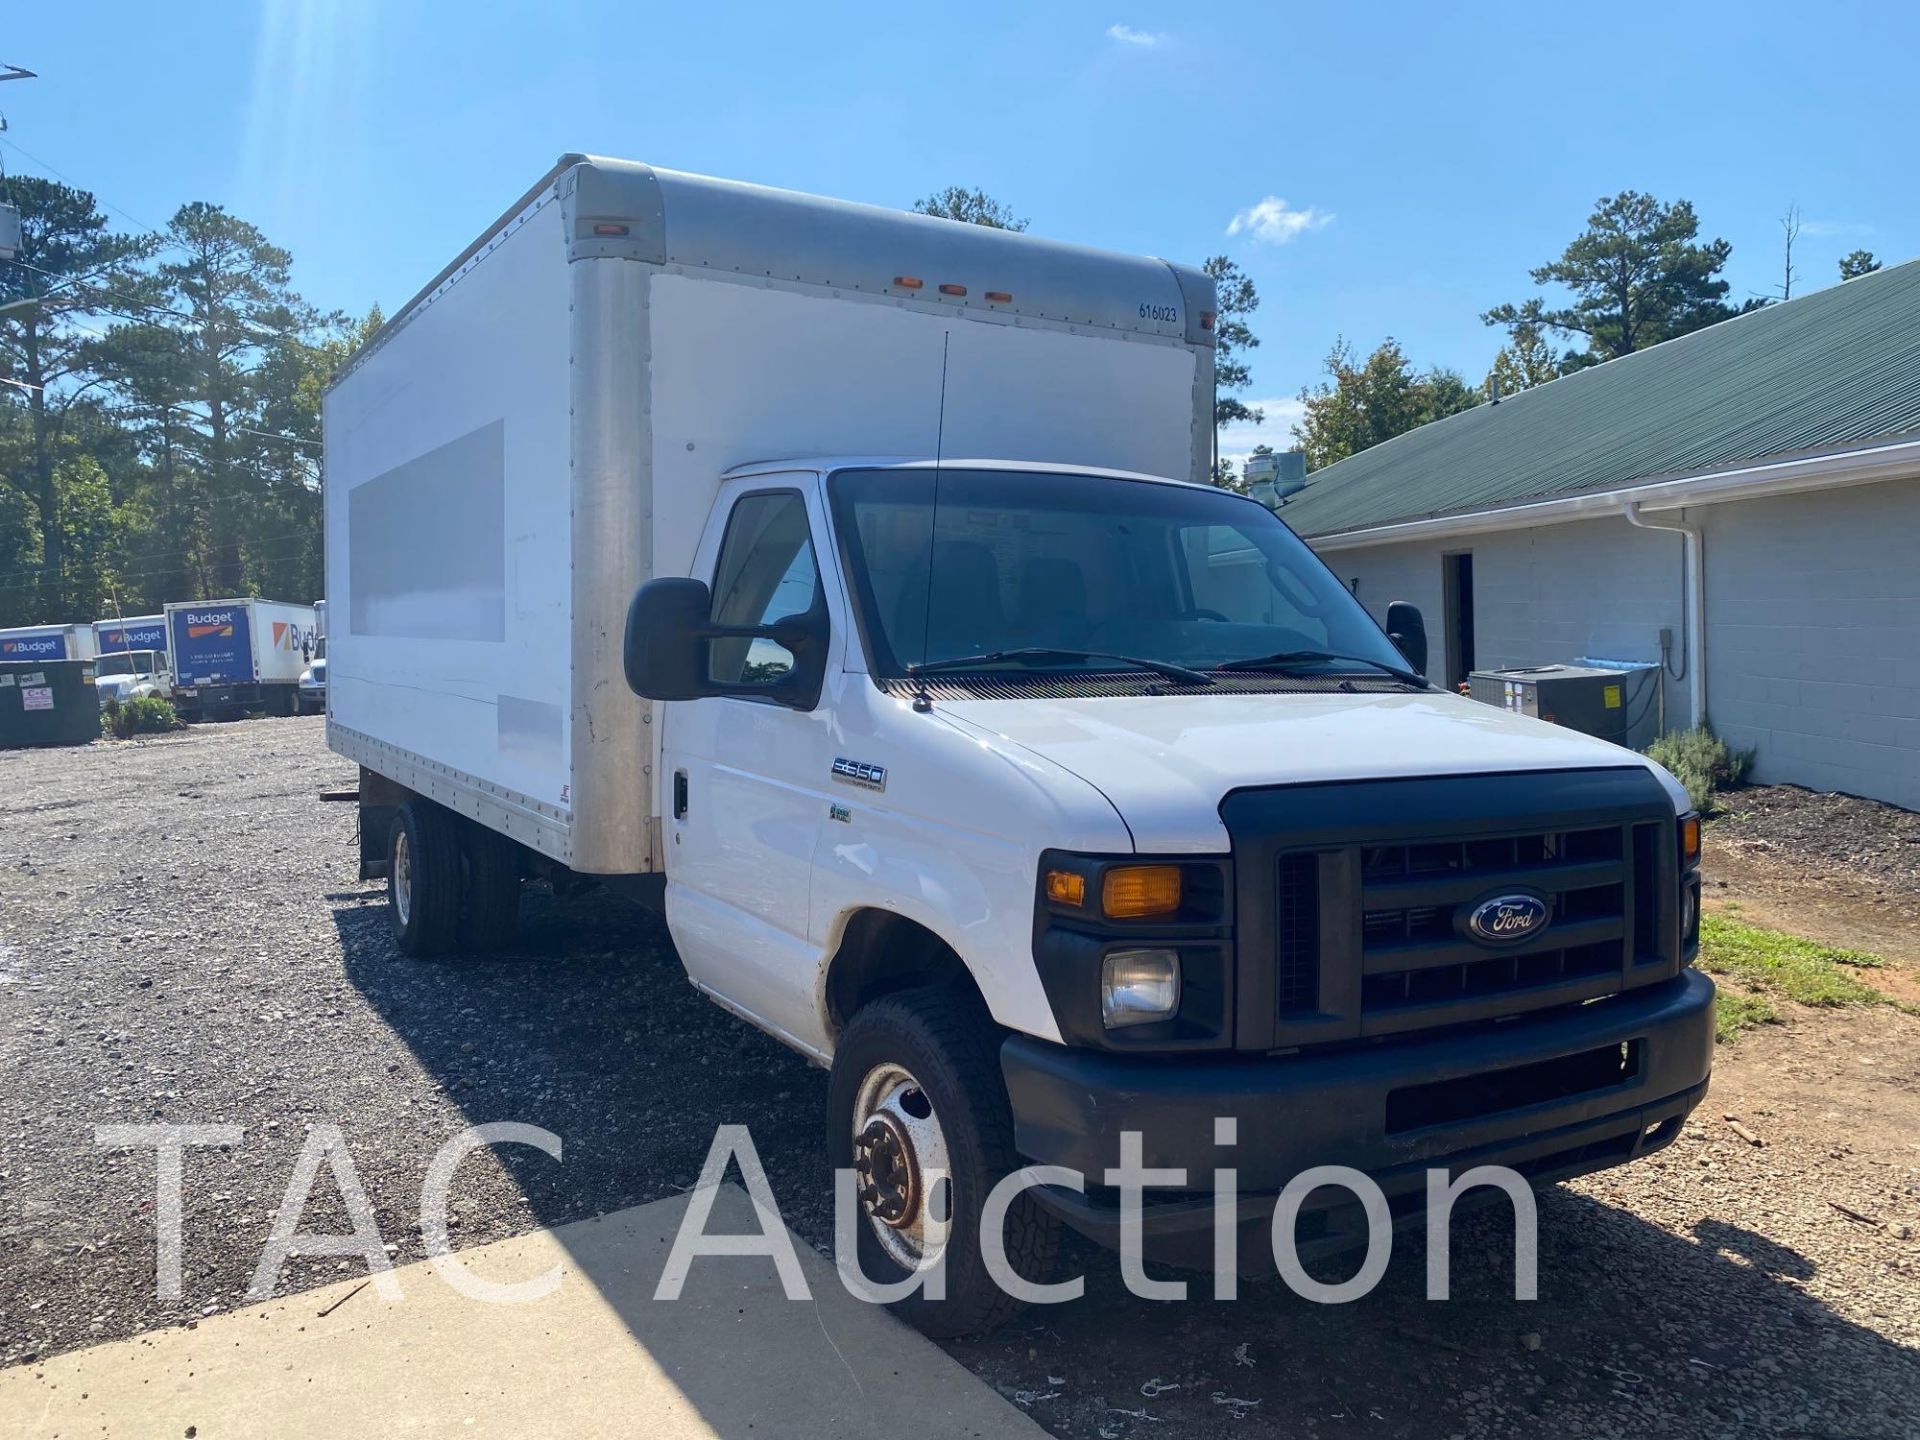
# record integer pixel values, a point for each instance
(1042, 653)
(1286, 660)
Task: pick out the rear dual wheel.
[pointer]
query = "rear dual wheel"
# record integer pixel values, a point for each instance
(451, 884)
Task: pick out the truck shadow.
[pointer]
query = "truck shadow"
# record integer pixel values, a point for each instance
(589, 1028)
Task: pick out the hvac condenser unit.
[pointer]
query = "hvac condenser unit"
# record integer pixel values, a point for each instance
(1615, 704)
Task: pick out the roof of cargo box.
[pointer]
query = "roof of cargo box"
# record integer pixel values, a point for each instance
(627, 210)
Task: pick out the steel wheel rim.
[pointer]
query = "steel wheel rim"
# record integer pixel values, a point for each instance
(901, 1171)
(402, 877)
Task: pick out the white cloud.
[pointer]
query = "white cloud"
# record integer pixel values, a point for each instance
(1273, 222)
(1274, 430)
(1127, 35)
(1835, 229)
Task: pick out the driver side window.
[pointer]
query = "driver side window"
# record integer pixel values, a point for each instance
(765, 574)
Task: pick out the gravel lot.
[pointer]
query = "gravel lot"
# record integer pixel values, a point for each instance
(182, 939)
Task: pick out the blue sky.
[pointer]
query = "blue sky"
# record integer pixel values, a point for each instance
(1396, 169)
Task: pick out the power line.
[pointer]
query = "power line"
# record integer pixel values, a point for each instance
(13, 144)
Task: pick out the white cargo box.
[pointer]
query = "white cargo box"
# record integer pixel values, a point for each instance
(544, 427)
(48, 642)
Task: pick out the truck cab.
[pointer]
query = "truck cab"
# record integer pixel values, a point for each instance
(132, 674)
(1119, 757)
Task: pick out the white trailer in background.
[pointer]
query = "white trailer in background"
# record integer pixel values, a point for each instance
(231, 656)
(48, 642)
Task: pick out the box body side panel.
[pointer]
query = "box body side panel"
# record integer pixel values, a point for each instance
(448, 531)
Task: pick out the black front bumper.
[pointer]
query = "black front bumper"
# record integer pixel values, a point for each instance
(1535, 1094)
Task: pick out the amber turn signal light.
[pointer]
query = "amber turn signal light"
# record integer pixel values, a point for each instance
(1134, 892)
(1689, 840)
(1066, 887)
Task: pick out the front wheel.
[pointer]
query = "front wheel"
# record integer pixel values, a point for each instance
(916, 1090)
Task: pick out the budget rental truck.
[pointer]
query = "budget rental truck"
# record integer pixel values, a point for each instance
(132, 658)
(231, 656)
(849, 584)
(47, 642)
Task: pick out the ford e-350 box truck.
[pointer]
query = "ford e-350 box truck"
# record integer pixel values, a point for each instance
(849, 583)
(230, 656)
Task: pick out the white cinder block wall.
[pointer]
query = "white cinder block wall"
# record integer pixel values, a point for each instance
(1813, 620)
(1549, 595)
(1813, 636)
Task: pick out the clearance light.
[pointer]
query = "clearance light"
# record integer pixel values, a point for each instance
(1133, 892)
(953, 289)
(1207, 317)
(607, 228)
(908, 282)
(1000, 297)
(1689, 840)
(1066, 887)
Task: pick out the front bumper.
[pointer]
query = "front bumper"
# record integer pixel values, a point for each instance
(1551, 1096)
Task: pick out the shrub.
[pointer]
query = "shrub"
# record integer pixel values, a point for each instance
(142, 715)
(1703, 762)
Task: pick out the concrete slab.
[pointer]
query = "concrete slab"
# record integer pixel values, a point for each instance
(598, 1356)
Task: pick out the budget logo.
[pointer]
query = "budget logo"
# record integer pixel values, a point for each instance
(211, 622)
(33, 647)
(287, 637)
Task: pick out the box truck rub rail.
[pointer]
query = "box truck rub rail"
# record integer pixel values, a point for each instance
(980, 750)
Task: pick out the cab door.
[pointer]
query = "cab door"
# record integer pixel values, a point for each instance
(745, 793)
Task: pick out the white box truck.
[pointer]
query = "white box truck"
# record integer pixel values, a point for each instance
(847, 582)
(231, 656)
(133, 660)
(47, 642)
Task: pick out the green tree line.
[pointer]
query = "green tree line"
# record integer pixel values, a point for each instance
(1637, 275)
(160, 437)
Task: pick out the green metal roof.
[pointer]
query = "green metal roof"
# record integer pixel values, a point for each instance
(1826, 371)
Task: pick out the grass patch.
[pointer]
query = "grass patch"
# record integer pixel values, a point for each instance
(1767, 964)
(1734, 1011)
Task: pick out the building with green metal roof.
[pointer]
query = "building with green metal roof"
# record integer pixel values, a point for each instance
(1737, 511)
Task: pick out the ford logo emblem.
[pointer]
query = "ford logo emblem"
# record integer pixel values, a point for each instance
(1504, 919)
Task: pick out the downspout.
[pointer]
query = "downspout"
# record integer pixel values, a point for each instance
(1696, 617)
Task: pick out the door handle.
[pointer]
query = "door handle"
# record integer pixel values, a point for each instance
(679, 794)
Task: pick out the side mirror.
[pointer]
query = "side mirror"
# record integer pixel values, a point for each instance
(666, 650)
(1408, 631)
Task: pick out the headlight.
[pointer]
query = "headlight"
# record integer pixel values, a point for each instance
(1138, 987)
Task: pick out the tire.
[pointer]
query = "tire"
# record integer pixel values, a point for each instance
(490, 912)
(944, 1039)
(423, 879)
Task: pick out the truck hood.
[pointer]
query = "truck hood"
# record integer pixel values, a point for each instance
(1166, 761)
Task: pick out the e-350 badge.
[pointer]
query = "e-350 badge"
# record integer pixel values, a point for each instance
(858, 772)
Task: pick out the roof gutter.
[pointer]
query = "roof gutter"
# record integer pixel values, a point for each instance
(1897, 460)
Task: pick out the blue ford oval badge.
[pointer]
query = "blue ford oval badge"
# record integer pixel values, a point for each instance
(1507, 918)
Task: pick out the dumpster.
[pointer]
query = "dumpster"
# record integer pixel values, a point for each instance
(48, 702)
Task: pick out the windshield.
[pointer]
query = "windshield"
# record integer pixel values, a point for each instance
(1175, 574)
(125, 662)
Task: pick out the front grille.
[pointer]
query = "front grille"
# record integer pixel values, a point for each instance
(1414, 954)
(1370, 887)
(1296, 904)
